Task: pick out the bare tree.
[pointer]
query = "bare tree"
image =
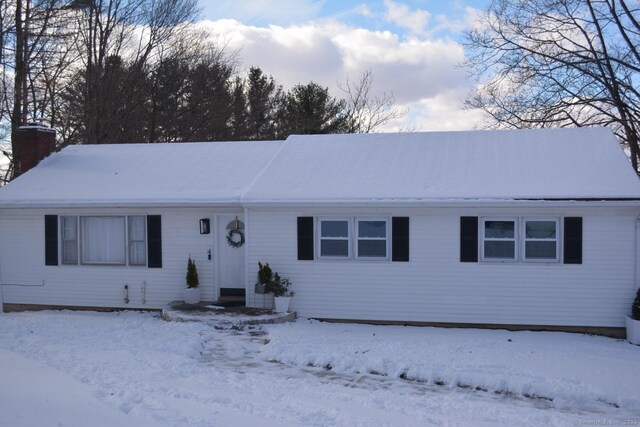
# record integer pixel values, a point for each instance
(133, 30)
(364, 112)
(550, 63)
(31, 48)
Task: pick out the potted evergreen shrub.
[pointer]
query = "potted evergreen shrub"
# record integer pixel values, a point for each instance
(281, 293)
(270, 282)
(265, 279)
(192, 291)
(633, 322)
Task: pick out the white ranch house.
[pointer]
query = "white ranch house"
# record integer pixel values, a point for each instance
(526, 228)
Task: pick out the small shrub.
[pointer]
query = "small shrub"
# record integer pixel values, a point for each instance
(192, 274)
(281, 286)
(273, 282)
(635, 308)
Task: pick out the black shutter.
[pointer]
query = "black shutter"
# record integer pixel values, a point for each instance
(468, 239)
(154, 241)
(400, 238)
(305, 238)
(573, 240)
(51, 240)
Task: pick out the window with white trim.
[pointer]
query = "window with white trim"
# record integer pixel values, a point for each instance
(137, 240)
(69, 238)
(372, 238)
(334, 238)
(541, 239)
(499, 239)
(103, 240)
(527, 239)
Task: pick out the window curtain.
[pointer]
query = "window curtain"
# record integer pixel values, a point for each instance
(103, 240)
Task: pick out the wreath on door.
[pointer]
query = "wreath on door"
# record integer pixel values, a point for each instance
(235, 235)
(235, 238)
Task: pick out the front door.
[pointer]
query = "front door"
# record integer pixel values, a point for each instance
(231, 266)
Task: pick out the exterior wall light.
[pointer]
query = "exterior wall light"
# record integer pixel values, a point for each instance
(205, 226)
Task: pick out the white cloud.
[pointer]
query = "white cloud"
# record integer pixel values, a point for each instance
(414, 20)
(422, 73)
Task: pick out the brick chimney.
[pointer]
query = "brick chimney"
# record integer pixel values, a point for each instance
(34, 142)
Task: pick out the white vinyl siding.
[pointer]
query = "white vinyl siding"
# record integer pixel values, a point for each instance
(32, 282)
(435, 287)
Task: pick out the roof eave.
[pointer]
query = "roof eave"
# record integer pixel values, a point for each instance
(121, 204)
(341, 203)
(444, 203)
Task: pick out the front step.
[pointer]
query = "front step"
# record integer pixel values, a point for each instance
(232, 297)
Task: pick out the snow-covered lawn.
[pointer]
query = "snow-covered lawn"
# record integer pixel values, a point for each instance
(103, 369)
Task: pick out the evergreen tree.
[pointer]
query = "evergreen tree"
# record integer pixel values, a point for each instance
(192, 274)
(262, 95)
(310, 109)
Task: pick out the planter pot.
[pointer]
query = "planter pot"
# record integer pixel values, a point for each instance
(192, 295)
(282, 304)
(260, 289)
(633, 330)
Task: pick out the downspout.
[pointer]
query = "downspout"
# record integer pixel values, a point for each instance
(247, 286)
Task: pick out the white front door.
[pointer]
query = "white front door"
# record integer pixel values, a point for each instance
(231, 273)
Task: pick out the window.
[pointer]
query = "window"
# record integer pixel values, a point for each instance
(69, 231)
(523, 239)
(541, 239)
(334, 238)
(137, 240)
(499, 239)
(372, 238)
(103, 240)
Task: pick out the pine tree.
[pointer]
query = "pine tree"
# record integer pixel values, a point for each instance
(192, 274)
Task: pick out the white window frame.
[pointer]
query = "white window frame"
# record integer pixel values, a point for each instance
(63, 240)
(524, 239)
(515, 239)
(100, 263)
(357, 238)
(520, 239)
(130, 241)
(349, 222)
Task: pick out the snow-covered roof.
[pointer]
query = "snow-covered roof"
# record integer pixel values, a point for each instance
(574, 163)
(142, 174)
(421, 167)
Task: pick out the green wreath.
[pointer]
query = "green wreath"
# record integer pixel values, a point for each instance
(230, 238)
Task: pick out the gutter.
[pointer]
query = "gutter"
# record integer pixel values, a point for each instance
(445, 203)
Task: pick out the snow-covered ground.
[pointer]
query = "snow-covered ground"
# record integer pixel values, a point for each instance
(101, 369)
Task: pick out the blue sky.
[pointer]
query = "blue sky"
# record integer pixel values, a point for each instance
(369, 14)
(412, 47)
